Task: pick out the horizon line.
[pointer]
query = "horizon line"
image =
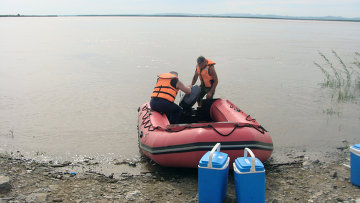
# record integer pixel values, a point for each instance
(230, 15)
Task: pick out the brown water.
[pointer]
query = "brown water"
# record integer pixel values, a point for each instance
(70, 86)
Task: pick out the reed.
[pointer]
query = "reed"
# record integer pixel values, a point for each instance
(336, 81)
(328, 78)
(331, 112)
(357, 69)
(344, 80)
(345, 68)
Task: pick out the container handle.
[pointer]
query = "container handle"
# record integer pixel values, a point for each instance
(246, 150)
(215, 148)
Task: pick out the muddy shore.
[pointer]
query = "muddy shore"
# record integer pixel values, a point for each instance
(301, 179)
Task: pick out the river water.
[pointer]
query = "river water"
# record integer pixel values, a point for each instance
(70, 86)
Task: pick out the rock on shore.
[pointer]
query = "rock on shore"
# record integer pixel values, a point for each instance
(4, 184)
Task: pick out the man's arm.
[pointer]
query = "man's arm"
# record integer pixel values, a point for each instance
(194, 78)
(213, 74)
(182, 87)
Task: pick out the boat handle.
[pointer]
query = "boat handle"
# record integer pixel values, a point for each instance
(246, 150)
(215, 148)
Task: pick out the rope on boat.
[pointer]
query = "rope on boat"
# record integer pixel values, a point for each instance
(259, 128)
(146, 119)
(147, 124)
(248, 118)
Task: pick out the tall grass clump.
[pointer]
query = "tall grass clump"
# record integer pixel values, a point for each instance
(357, 65)
(342, 78)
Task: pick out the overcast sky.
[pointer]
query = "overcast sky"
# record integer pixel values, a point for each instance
(344, 8)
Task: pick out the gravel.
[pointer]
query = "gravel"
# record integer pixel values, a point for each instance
(299, 179)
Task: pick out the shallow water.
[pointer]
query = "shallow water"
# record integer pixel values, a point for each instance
(70, 86)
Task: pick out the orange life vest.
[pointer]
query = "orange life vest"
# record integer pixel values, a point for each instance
(204, 73)
(163, 88)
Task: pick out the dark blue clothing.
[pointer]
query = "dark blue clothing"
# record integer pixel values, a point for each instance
(171, 110)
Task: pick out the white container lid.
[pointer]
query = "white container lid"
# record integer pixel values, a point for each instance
(219, 160)
(355, 149)
(214, 159)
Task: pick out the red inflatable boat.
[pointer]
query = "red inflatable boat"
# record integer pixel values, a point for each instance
(183, 145)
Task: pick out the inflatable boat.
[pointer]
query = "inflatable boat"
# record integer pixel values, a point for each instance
(216, 121)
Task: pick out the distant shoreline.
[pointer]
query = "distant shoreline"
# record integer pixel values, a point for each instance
(22, 16)
(203, 16)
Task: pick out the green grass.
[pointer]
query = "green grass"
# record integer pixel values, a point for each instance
(343, 79)
(39, 153)
(356, 63)
(331, 112)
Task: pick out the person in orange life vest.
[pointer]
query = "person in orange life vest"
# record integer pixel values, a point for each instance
(164, 94)
(206, 71)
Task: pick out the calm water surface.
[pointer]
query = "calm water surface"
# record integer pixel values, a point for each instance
(70, 86)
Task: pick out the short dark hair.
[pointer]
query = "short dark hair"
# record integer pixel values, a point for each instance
(174, 72)
(200, 59)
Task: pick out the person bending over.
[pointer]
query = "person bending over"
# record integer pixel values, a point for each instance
(164, 94)
(206, 71)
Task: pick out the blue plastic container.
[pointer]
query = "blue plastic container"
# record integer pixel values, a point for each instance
(249, 174)
(213, 173)
(355, 164)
